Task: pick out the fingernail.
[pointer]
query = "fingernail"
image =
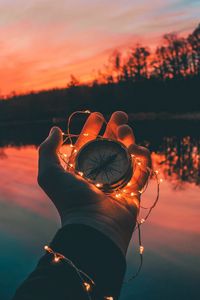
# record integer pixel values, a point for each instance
(53, 129)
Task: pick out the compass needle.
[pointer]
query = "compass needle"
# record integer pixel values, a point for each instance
(105, 162)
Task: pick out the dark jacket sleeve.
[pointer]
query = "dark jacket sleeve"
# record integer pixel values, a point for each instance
(92, 252)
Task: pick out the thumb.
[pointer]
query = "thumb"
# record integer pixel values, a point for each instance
(52, 143)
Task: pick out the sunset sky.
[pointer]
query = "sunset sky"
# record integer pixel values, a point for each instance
(42, 42)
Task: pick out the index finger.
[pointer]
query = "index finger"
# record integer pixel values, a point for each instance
(90, 129)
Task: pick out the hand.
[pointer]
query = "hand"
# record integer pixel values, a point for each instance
(71, 193)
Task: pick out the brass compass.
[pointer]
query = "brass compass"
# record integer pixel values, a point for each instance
(105, 163)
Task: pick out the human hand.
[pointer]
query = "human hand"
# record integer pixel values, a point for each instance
(71, 193)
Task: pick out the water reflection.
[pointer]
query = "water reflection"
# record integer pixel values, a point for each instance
(179, 160)
(28, 220)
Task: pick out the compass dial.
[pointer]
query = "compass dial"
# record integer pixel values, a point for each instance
(106, 163)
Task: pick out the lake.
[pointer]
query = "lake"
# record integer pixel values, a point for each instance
(28, 219)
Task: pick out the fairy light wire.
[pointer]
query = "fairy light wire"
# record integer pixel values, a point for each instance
(119, 193)
(58, 257)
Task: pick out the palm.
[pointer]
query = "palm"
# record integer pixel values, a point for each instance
(69, 191)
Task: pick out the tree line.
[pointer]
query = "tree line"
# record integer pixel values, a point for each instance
(178, 57)
(166, 80)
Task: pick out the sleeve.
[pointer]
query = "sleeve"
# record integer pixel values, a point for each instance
(92, 252)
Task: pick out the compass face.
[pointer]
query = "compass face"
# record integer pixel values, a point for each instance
(106, 163)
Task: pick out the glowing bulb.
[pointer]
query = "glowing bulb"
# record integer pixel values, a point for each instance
(71, 165)
(63, 133)
(71, 145)
(161, 180)
(117, 195)
(132, 194)
(156, 171)
(142, 221)
(98, 185)
(124, 191)
(48, 249)
(87, 286)
(75, 150)
(139, 163)
(129, 184)
(109, 298)
(87, 111)
(86, 134)
(132, 155)
(65, 155)
(56, 259)
(80, 173)
(141, 249)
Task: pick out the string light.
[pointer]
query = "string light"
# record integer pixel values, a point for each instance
(58, 257)
(141, 249)
(109, 298)
(118, 195)
(98, 185)
(123, 194)
(87, 286)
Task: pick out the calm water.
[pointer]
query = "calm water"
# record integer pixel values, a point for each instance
(171, 270)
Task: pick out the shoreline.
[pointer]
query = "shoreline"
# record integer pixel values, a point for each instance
(142, 116)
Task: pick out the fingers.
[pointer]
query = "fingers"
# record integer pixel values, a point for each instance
(125, 135)
(118, 118)
(52, 143)
(90, 130)
(48, 158)
(141, 163)
(142, 155)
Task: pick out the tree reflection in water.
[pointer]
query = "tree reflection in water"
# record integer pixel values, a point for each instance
(179, 160)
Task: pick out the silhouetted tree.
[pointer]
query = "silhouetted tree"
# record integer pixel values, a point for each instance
(137, 64)
(73, 81)
(194, 42)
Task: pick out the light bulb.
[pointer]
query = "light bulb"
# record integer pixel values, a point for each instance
(98, 185)
(87, 286)
(56, 259)
(141, 249)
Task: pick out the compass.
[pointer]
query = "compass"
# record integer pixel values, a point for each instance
(105, 163)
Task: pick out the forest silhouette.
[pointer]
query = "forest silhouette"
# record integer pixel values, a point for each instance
(165, 80)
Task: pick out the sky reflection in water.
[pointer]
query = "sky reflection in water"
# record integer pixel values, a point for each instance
(28, 221)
